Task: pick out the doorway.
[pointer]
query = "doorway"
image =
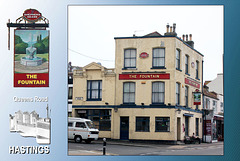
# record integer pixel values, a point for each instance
(178, 129)
(124, 128)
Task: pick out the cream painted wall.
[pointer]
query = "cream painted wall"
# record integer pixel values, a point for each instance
(143, 91)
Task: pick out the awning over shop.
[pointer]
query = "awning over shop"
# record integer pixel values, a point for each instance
(188, 114)
(218, 117)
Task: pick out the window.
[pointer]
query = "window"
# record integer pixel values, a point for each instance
(158, 89)
(101, 119)
(207, 103)
(197, 126)
(130, 58)
(162, 124)
(186, 63)
(70, 92)
(158, 57)
(177, 59)
(186, 96)
(197, 70)
(94, 90)
(177, 93)
(129, 92)
(142, 124)
(80, 125)
(70, 124)
(215, 106)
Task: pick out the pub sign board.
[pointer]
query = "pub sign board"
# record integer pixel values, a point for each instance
(31, 58)
(197, 98)
(32, 15)
(144, 76)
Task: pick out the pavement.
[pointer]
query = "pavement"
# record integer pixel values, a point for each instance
(180, 147)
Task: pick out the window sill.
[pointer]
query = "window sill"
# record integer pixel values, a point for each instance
(157, 104)
(142, 131)
(198, 79)
(187, 74)
(179, 69)
(128, 68)
(162, 131)
(94, 100)
(128, 104)
(158, 68)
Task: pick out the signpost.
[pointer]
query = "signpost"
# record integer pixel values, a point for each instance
(31, 50)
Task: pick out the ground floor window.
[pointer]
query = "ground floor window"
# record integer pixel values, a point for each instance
(100, 117)
(162, 124)
(142, 124)
(197, 126)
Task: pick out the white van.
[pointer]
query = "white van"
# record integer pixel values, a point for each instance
(81, 129)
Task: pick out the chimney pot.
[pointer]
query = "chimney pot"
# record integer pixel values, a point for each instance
(174, 27)
(167, 28)
(187, 37)
(190, 36)
(170, 28)
(183, 37)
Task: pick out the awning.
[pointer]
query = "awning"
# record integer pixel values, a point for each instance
(188, 114)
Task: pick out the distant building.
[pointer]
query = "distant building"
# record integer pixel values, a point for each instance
(214, 108)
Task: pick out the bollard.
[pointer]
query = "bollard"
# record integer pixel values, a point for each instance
(104, 146)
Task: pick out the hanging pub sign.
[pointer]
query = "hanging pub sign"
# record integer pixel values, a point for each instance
(197, 98)
(31, 49)
(31, 58)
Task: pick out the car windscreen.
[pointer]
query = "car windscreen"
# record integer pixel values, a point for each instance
(90, 124)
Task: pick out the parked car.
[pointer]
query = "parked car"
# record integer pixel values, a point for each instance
(81, 129)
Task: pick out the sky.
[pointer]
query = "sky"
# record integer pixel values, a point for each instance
(91, 31)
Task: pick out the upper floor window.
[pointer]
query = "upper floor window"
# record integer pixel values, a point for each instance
(197, 70)
(177, 93)
(130, 58)
(186, 64)
(186, 96)
(207, 105)
(70, 92)
(94, 90)
(158, 89)
(129, 92)
(158, 57)
(177, 59)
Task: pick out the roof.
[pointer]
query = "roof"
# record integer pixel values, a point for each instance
(210, 94)
(153, 34)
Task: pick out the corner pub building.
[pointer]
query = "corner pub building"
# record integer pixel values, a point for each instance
(149, 94)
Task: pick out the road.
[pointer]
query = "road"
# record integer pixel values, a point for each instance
(141, 149)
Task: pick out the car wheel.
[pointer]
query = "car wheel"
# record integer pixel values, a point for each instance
(78, 139)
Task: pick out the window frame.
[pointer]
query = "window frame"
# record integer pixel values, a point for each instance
(100, 113)
(143, 129)
(197, 126)
(70, 93)
(186, 95)
(197, 69)
(178, 59)
(165, 121)
(129, 93)
(89, 89)
(178, 86)
(158, 57)
(131, 58)
(187, 64)
(158, 92)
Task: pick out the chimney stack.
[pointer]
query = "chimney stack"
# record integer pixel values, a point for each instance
(190, 42)
(172, 30)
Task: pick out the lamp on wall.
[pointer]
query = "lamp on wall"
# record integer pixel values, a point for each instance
(106, 103)
(178, 110)
(115, 109)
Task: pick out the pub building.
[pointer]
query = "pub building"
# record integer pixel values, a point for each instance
(149, 95)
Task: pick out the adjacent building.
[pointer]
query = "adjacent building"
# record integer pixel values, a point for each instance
(149, 95)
